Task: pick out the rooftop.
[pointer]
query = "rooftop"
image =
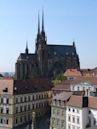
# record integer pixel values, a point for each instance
(72, 72)
(10, 86)
(63, 96)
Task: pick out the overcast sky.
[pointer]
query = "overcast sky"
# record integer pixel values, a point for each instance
(65, 21)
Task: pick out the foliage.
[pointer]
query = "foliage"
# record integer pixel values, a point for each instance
(59, 78)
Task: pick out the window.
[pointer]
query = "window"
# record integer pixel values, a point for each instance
(59, 103)
(69, 127)
(62, 113)
(5, 90)
(25, 108)
(16, 100)
(1, 100)
(7, 111)
(63, 123)
(73, 110)
(77, 111)
(25, 99)
(78, 88)
(89, 112)
(16, 109)
(69, 118)
(68, 109)
(21, 109)
(73, 127)
(32, 106)
(94, 121)
(1, 110)
(20, 119)
(83, 88)
(7, 101)
(28, 107)
(21, 99)
(77, 120)
(58, 112)
(72, 53)
(16, 120)
(28, 98)
(7, 121)
(1, 121)
(53, 111)
(33, 97)
(73, 119)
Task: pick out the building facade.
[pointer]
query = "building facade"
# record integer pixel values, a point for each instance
(58, 110)
(69, 111)
(86, 84)
(18, 99)
(48, 60)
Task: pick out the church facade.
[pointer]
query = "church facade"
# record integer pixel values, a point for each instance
(48, 60)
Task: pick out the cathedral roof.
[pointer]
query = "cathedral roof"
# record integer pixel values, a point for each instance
(29, 56)
(61, 50)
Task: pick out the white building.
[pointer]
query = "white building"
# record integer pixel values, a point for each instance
(86, 84)
(75, 113)
(81, 112)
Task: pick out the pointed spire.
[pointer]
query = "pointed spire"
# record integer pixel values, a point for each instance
(38, 24)
(42, 20)
(26, 50)
(74, 44)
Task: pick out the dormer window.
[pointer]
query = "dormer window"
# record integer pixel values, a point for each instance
(67, 53)
(55, 53)
(72, 53)
(5, 90)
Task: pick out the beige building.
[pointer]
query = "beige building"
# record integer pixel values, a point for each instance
(19, 98)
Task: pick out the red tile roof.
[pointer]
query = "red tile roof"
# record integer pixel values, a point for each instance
(64, 85)
(92, 102)
(92, 80)
(63, 96)
(75, 101)
(78, 101)
(72, 72)
(25, 86)
(30, 86)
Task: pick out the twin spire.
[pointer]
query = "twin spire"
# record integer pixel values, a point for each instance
(42, 22)
(42, 31)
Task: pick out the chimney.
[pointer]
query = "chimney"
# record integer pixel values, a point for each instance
(85, 101)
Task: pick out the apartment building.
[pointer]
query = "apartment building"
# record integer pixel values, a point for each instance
(58, 110)
(70, 111)
(86, 84)
(19, 98)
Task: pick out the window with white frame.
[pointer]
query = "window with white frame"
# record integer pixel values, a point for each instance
(78, 121)
(69, 118)
(73, 119)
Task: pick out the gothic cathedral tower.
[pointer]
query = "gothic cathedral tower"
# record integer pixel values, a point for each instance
(41, 49)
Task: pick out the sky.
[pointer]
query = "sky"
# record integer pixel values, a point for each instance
(65, 21)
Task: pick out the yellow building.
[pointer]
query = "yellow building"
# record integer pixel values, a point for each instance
(19, 98)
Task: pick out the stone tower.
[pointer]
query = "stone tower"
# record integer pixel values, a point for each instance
(41, 49)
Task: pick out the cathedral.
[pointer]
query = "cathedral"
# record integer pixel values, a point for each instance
(48, 60)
